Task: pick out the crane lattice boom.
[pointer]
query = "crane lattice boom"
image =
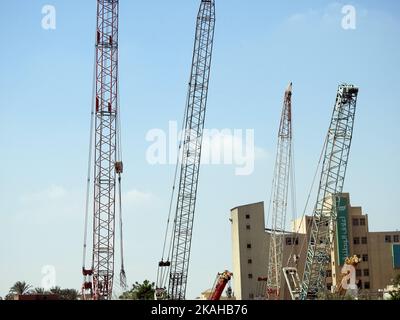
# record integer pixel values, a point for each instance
(191, 151)
(193, 127)
(333, 174)
(106, 162)
(279, 197)
(323, 227)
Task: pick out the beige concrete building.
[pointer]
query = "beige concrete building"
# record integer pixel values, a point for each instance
(379, 251)
(250, 245)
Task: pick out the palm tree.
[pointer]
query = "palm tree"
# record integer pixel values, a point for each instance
(65, 294)
(20, 288)
(56, 290)
(39, 291)
(69, 294)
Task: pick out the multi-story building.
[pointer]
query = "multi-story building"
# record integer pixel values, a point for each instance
(250, 249)
(379, 252)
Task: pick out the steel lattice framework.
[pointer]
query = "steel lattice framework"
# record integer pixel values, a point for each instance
(191, 150)
(333, 173)
(105, 147)
(280, 187)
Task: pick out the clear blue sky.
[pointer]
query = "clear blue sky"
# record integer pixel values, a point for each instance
(260, 46)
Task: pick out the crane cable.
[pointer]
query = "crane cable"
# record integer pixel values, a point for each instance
(161, 276)
(89, 175)
(306, 205)
(293, 184)
(122, 275)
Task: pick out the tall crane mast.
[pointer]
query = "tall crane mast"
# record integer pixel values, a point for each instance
(323, 227)
(280, 187)
(107, 159)
(191, 154)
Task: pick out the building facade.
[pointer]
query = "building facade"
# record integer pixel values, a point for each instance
(379, 252)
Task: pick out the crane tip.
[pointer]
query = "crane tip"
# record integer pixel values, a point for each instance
(289, 88)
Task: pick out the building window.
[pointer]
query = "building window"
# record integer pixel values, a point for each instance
(364, 240)
(358, 273)
(366, 272)
(356, 240)
(250, 275)
(329, 286)
(288, 241)
(251, 296)
(396, 238)
(366, 285)
(362, 222)
(328, 273)
(249, 261)
(388, 238)
(248, 227)
(355, 222)
(247, 216)
(365, 257)
(249, 246)
(296, 241)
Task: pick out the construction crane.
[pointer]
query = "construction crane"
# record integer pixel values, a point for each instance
(323, 225)
(107, 164)
(280, 187)
(176, 264)
(220, 284)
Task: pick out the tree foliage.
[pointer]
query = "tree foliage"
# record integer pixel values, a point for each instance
(20, 287)
(144, 291)
(395, 294)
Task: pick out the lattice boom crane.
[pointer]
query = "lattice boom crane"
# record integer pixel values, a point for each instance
(280, 187)
(178, 261)
(336, 156)
(107, 155)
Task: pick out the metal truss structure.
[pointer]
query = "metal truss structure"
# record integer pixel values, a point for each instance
(106, 164)
(191, 152)
(280, 186)
(333, 174)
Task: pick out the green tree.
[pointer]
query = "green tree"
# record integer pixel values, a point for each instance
(39, 291)
(395, 294)
(65, 294)
(144, 291)
(56, 290)
(20, 287)
(9, 296)
(69, 294)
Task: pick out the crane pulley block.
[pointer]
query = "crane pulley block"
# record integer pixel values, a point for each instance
(164, 264)
(119, 167)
